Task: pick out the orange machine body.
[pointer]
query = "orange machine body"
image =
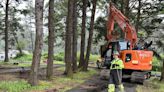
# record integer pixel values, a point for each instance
(137, 59)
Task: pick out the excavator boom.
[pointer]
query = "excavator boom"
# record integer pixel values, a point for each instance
(116, 16)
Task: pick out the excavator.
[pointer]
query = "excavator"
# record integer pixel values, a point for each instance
(137, 59)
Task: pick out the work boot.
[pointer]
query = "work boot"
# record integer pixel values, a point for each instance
(111, 88)
(121, 88)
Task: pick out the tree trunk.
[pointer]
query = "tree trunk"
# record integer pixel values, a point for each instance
(90, 35)
(82, 49)
(138, 16)
(51, 39)
(33, 78)
(162, 73)
(19, 48)
(75, 36)
(32, 43)
(6, 31)
(68, 40)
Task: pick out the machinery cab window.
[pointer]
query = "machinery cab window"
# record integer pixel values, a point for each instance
(128, 57)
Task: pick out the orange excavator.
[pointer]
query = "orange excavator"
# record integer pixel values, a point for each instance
(137, 60)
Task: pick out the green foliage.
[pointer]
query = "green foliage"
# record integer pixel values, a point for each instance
(92, 58)
(59, 62)
(100, 28)
(156, 64)
(45, 56)
(20, 45)
(59, 56)
(23, 58)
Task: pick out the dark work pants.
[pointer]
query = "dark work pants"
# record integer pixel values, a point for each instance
(115, 77)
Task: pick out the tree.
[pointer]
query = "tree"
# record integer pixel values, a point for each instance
(33, 79)
(16, 29)
(138, 15)
(68, 40)
(6, 31)
(51, 39)
(126, 8)
(82, 48)
(90, 35)
(75, 37)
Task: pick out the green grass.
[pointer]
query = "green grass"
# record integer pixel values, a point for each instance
(61, 83)
(64, 83)
(59, 62)
(22, 86)
(154, 85)
(23, 58)
(94, 58)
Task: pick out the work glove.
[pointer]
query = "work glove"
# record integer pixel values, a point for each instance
(115, 65)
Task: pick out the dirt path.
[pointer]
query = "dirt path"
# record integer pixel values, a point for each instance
(95, 84)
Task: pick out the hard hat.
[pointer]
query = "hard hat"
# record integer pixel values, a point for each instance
(115, 53)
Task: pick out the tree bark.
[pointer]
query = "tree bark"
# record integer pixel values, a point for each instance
(90, 35)
(162, 73)
(33, 78)
(138, 16)
(6, 31)
(82, 49)
(68, 40)
(75, 36)
(51, 39)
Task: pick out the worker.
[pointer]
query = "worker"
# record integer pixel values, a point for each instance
(115, 78)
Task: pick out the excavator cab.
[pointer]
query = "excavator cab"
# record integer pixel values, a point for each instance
(107, 52)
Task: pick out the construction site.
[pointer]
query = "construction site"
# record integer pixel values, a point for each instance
(82, 46)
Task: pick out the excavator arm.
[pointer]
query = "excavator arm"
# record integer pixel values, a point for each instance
(116, 16)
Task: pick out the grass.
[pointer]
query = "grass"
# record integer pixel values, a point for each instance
(24, 63)
(23, 58)
(153, 85)
(94, 58)
(22, 86)
(60, 83)
(64, 83)
(59, 62)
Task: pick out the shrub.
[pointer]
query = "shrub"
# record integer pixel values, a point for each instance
(45, 56)
(23, 57)
(156, 64)
(156, 68)
(92, 58)
(59, 56)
